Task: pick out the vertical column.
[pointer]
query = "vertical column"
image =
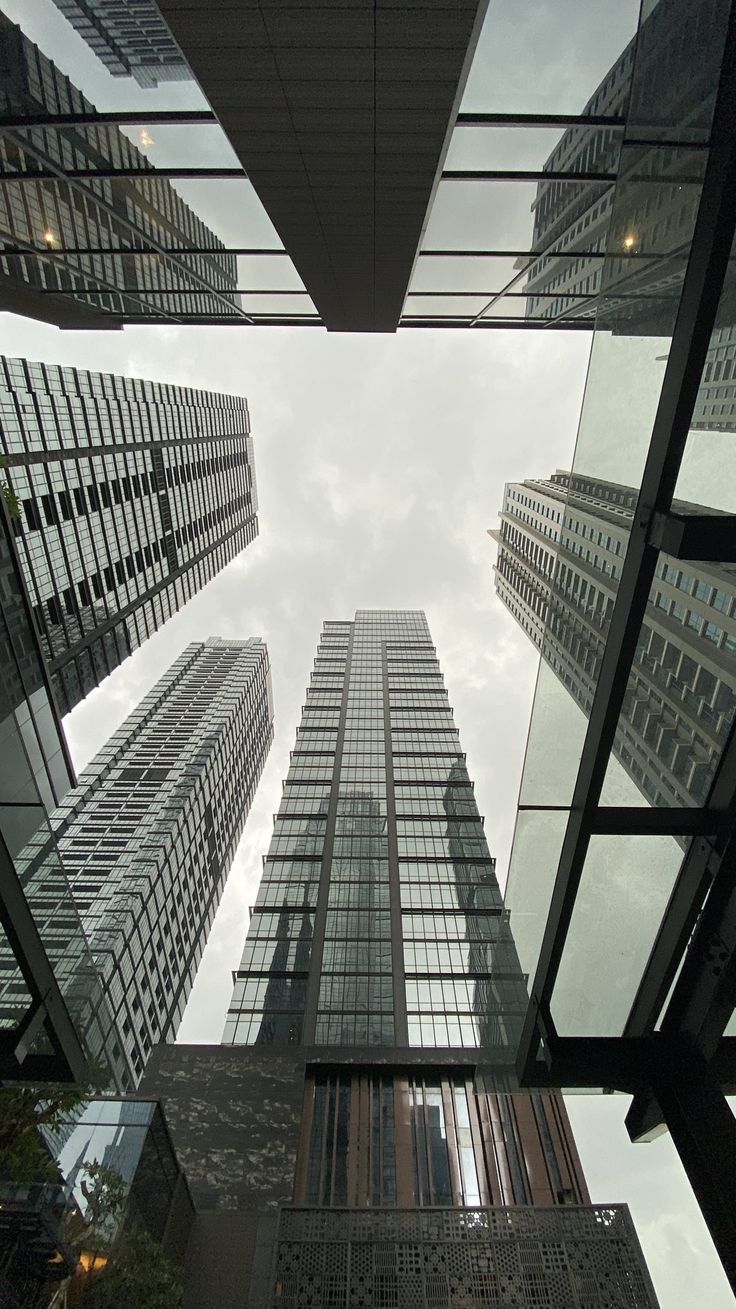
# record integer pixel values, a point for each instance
(401, 1029)
(320, 917)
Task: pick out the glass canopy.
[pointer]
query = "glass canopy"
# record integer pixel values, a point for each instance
(626, 804)
(521, 231)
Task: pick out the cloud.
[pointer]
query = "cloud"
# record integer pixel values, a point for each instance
(380, 466)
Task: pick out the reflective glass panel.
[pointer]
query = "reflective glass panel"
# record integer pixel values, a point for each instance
(623, 893)
(548, 59)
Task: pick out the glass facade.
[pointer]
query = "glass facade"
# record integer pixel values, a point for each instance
(55, 1020)
(561, 548)
(378, 921)
(132, 495)
(85, 219)
(380, 955)
(130, 37)
(148, 835)
(379, 950)
(52, 1228)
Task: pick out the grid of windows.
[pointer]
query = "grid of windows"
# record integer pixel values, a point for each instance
(681, 698)
(132, 495)
(148, 835)
(145, 214)
(378, 866)
(456, 1145)
(129, 36)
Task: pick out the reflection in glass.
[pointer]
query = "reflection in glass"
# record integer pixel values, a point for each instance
(624, 890)
(394, 1138)
(34, 776)
(681, 698)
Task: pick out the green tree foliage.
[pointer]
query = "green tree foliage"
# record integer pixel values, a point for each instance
(137, 1276)
(12, 503)
(23, 1111)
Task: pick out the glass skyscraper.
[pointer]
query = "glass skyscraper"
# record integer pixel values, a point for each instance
(148, 835)
(561, 547)
(130, 37)
(84, 190)
(131, 496)
(379, 950)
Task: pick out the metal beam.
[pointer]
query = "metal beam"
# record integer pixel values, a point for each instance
(211, 320)
(165, 290)
(540, 120)
(510, 254)
(512, 295)
(703, 1130)
(695, 536)
(24, 939)
(696, 875)
(498, 324)
(97, 118)
(91, 174)
(524, 175)
(122, 252)
(702, 286)
(641, 820)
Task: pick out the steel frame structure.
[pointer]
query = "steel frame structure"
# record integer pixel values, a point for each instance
(672, 1054)
(116, 118)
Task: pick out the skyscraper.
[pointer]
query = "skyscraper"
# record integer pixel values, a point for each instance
(619, 254)
(561, 546)
(378, 962)
(130, 37)
(147, 836)
(132, 496)
(57, 232)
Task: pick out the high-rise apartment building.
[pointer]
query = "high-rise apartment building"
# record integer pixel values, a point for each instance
(148, 835)
(130, 37)
(82, 191)
(619, 254)
(561, 547)
(132, 495)
(379, 964)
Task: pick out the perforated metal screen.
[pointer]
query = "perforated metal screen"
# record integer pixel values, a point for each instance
(573, 1257)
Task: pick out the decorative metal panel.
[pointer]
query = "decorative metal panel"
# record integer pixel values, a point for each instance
(572, 1257)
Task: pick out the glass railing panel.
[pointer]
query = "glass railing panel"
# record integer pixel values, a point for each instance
(547, 61)
(500, 215)
(486, 275)
(535, 854)
(534, 148)
(138, 146)
(624, 890)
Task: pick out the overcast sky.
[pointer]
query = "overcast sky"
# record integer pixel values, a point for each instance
(380, 464)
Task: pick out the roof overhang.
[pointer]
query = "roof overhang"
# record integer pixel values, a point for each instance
(341, 115)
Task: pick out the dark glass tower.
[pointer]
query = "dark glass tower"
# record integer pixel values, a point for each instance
(561, 548)
(379, 953)
(130, 37)
(132, 495)
(148, 835)
(76, 220)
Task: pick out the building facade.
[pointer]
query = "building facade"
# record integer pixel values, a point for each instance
(131, 496)
(148, 835)
(130, 37)
(380, 958)
(56, 230)
(561, 548)
(619, 253)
